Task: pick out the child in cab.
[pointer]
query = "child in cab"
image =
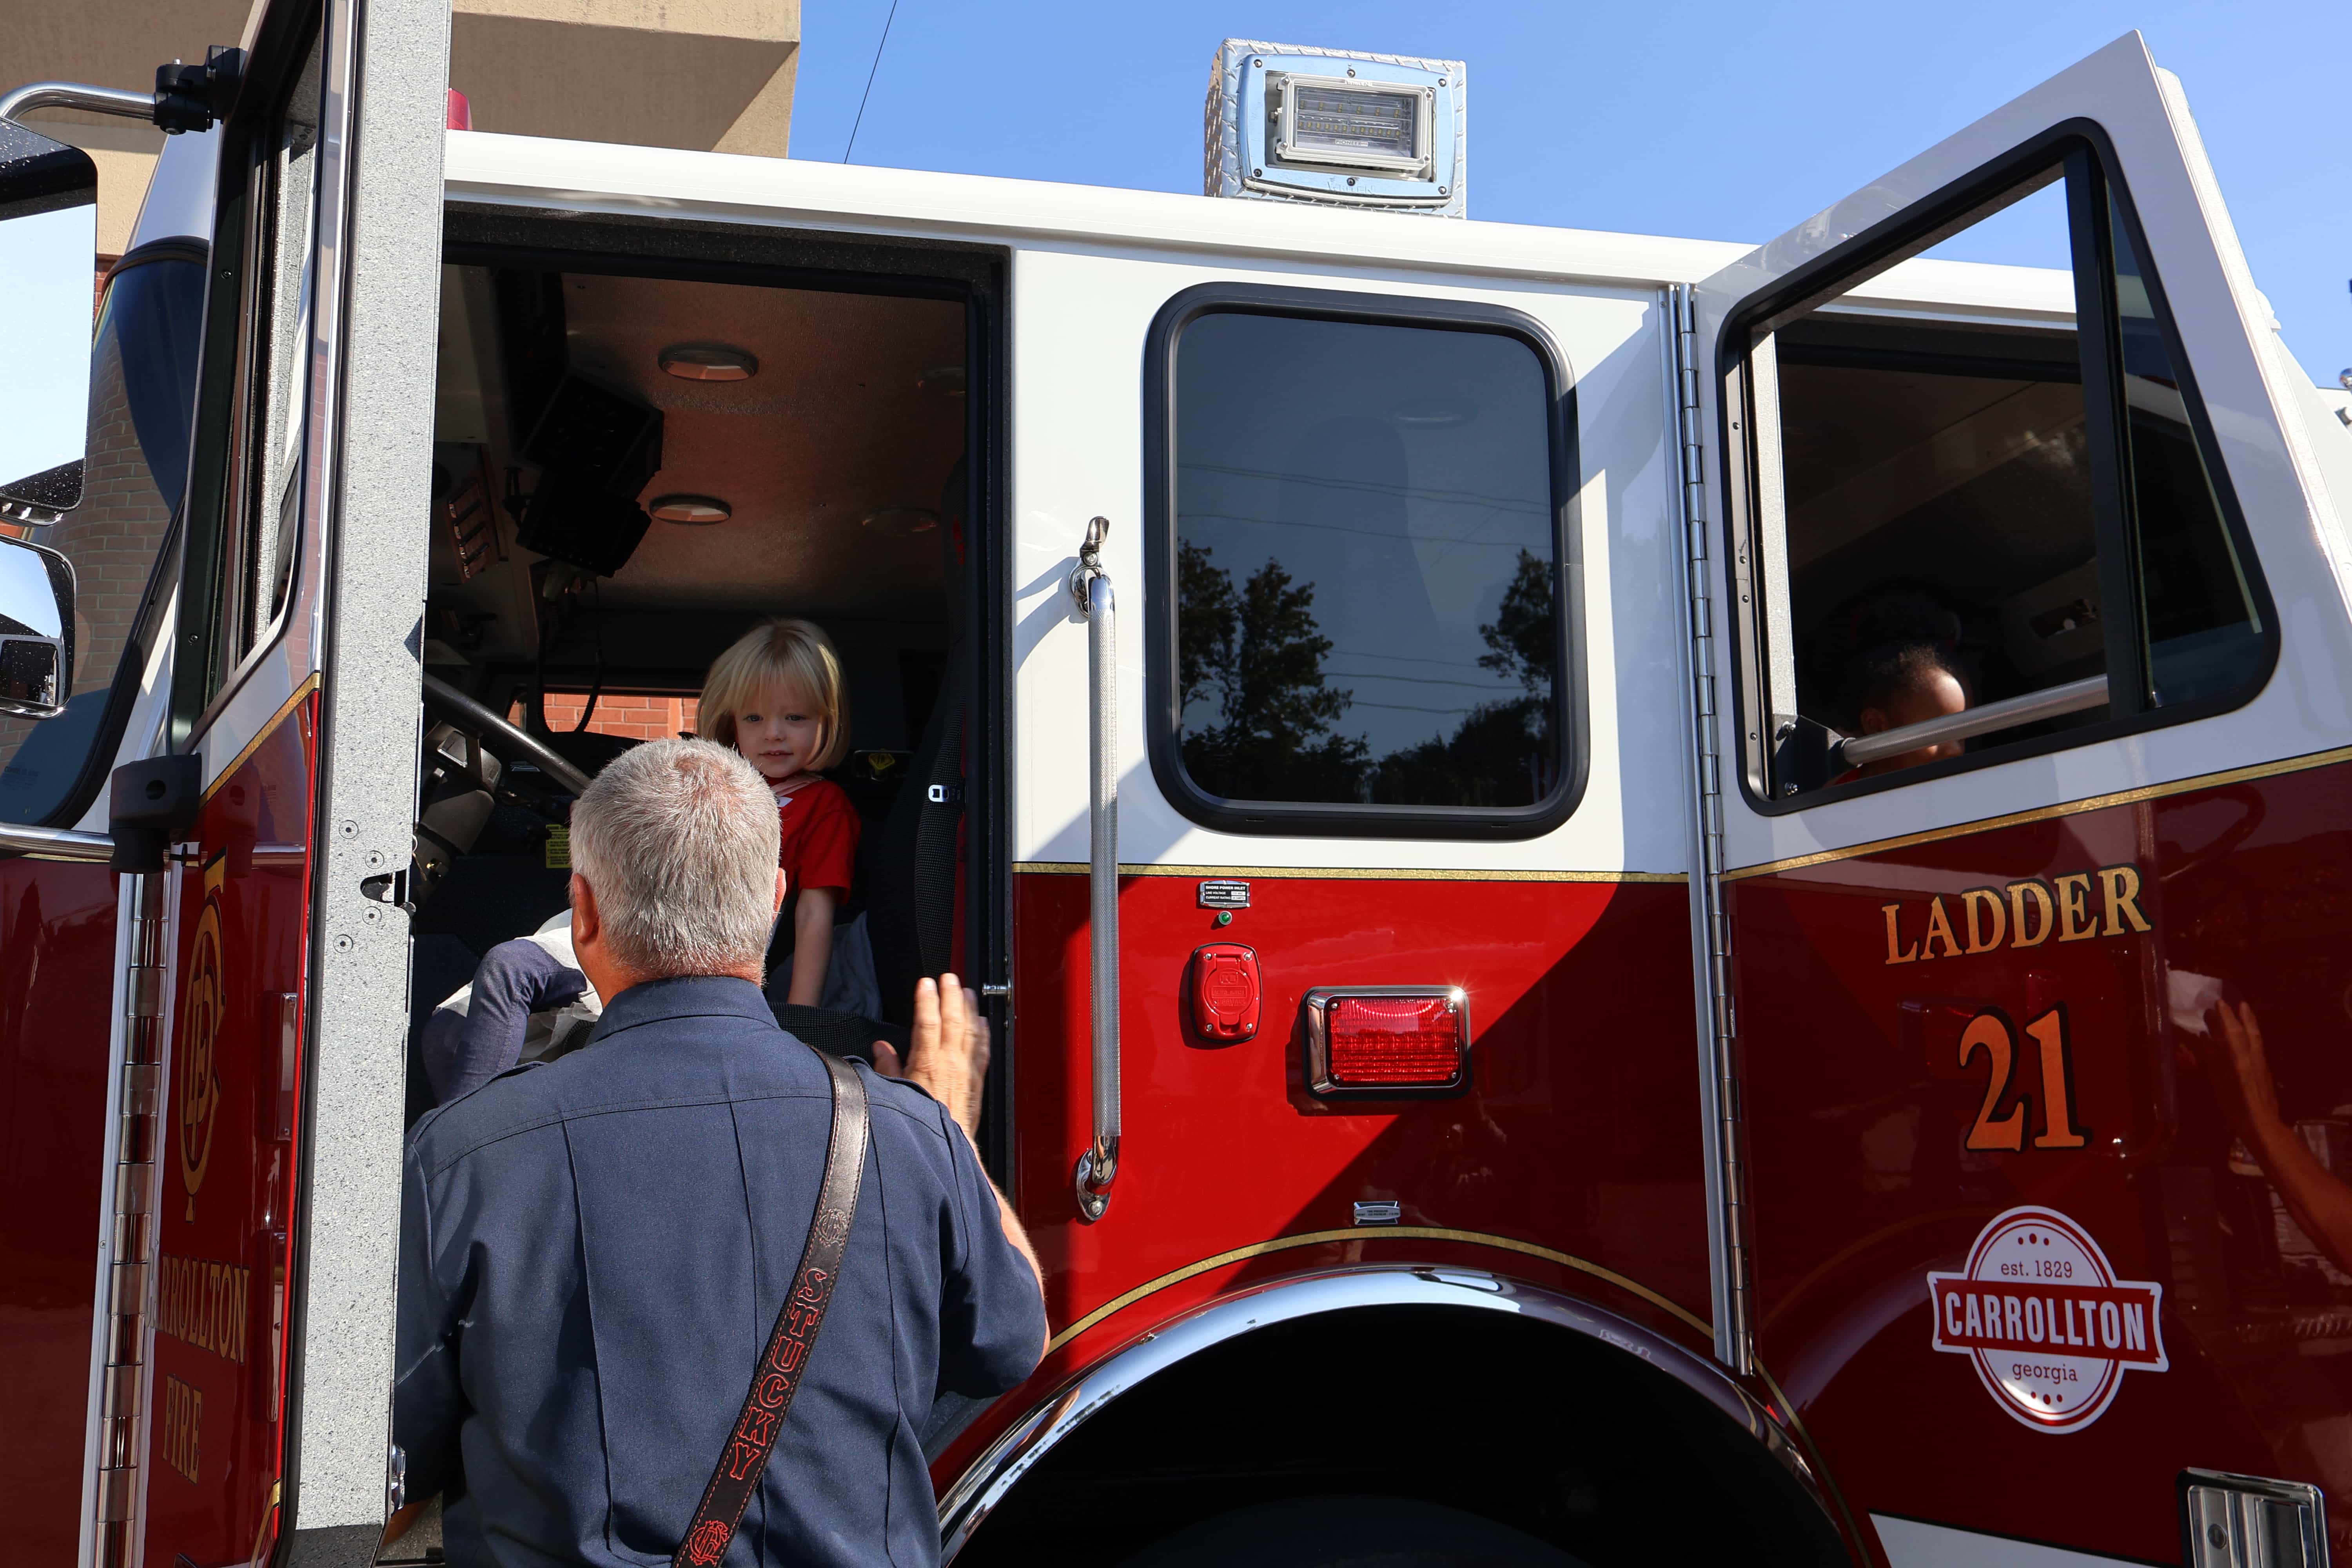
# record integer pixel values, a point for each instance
(777, 698)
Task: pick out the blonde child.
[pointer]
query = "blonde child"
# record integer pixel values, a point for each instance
(776, 697)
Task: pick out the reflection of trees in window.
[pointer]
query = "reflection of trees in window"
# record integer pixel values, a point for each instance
(1502, 753)
(1254, 655)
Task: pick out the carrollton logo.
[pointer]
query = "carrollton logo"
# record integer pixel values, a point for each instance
(2050, 1329)
(205, 1005)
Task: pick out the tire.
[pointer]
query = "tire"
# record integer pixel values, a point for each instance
(1349, 1532)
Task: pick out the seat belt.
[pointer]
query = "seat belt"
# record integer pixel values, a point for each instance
(776, 1376)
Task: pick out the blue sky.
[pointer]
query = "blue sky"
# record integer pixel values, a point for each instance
(1717, 120)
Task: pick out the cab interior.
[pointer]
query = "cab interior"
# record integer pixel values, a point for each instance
(632, 472)
(1937, 485)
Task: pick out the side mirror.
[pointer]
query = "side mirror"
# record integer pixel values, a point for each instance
(48, 258)
(36, 630)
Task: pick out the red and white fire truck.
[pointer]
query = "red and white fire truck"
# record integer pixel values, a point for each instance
(1696, 914)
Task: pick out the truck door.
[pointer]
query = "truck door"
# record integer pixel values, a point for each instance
(2028, 603)
(1362, 719)
(247, 1190)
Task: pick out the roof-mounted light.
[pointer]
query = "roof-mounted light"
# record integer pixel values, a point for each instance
(1354, 125)
(1326, 125)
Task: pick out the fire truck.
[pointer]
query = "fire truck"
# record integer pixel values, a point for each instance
(1642, 900)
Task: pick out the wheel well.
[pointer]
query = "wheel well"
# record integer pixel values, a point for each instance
(1571, 1440)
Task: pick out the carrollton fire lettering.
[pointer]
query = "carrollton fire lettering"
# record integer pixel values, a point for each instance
(2076, 907)
(183, 1416)
(205, 1304)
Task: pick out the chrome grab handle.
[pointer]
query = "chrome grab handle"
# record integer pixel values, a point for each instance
(55, 843)
(2091, 691)
(18, 102)
(1090, 586)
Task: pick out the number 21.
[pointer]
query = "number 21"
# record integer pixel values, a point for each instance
(1990, 1030)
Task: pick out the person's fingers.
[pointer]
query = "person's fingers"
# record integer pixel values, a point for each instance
(955, 1018)
(979, 1032)
(927, 1019)
(2253, 1026)
(886, 1060)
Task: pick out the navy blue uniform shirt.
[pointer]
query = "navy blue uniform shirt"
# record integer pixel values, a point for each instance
(594, 1250)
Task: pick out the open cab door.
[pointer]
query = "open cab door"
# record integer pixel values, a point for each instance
(2019, 629)
(247, 1202)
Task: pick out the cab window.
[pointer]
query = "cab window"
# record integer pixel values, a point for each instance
(1362, 616)
(142, 386)
(1979, 535)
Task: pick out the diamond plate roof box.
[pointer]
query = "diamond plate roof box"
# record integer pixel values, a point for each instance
(1335, 128)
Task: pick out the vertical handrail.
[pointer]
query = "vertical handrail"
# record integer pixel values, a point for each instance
(1090, 586)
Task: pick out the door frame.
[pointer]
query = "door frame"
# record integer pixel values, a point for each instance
(975, 276)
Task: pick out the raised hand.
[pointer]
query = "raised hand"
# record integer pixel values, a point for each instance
(947, 1057)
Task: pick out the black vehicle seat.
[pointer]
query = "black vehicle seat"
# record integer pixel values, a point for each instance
(914, 877)
(585, 749)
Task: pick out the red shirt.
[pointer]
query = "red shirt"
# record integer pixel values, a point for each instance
(820, 837)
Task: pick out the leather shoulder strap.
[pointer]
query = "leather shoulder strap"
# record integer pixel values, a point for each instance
(777, 1376)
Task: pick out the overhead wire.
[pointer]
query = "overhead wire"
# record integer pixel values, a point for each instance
(870, 71)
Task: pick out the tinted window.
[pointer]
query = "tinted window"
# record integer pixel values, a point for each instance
(2002, 532)
(1367, 584)
(142, 382)
(2204, 635)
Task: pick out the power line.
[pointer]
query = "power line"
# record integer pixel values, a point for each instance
(869, 80)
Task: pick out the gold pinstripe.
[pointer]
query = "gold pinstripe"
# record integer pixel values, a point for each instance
(2047, 813)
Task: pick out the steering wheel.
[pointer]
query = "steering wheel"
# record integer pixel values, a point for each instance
(500, 738)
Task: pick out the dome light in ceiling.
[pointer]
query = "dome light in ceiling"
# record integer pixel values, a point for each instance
(695, 512)
(709, 362)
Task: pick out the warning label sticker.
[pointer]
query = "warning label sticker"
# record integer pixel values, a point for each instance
(2050, 1329)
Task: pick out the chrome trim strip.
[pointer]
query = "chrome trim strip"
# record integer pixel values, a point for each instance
(1334, 873)
(1726, 1244)
(967, 1504)
(1856, 750)
(114, 1481)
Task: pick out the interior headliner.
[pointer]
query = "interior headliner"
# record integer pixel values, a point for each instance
(833, 457)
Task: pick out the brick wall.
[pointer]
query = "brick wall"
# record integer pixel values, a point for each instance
(631, 718)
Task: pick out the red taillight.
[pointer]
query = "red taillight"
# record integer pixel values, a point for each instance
(1388, 1040)
(461, 112)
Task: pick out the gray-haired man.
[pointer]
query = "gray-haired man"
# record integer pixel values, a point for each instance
(593, 1251)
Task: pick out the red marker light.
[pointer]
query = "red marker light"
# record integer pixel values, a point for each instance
(1388, 1041)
